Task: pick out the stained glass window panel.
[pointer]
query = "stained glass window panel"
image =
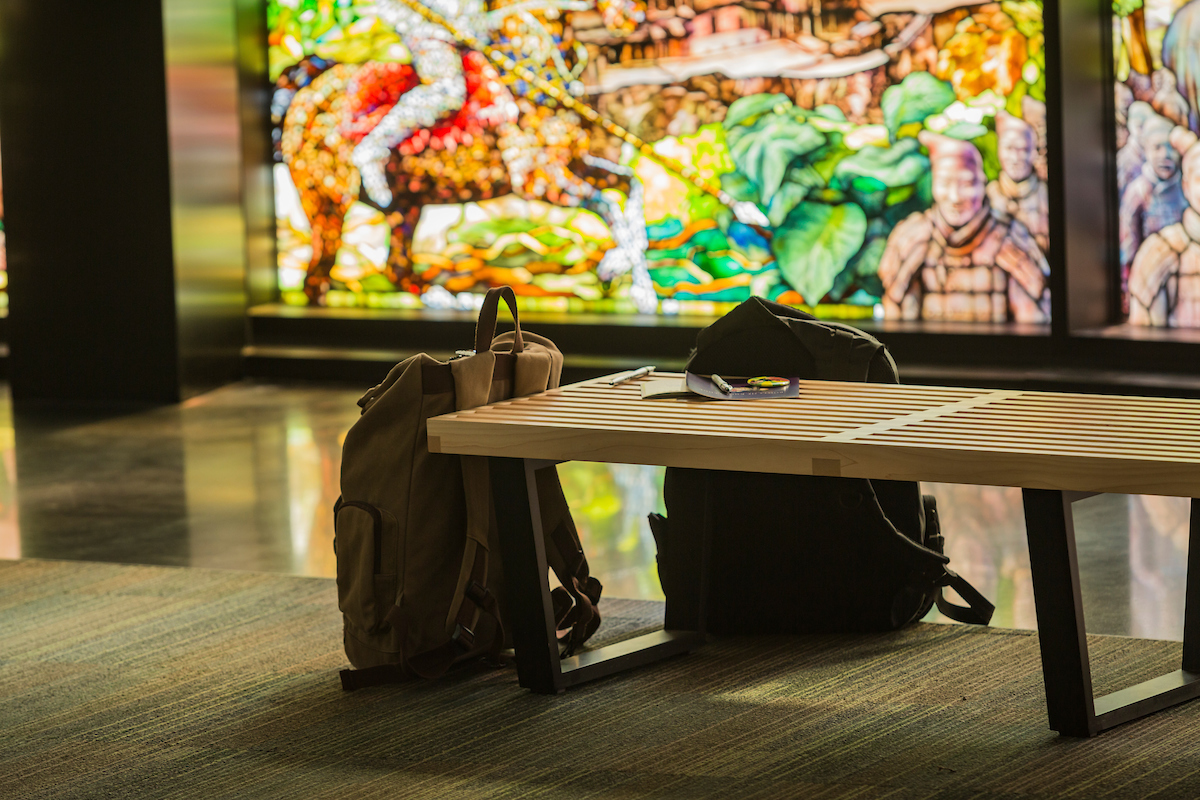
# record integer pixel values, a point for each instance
(861, 158)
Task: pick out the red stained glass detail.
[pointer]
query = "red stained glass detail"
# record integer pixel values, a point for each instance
(377, 86)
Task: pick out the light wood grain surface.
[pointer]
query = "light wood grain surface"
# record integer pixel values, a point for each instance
(1047, 440)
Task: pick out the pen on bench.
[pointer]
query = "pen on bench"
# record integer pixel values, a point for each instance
(640, 372)
(722, 384)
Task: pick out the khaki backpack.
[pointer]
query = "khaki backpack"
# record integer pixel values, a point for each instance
(419, 578)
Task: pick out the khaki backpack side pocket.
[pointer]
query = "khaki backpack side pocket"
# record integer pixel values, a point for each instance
(366, 538)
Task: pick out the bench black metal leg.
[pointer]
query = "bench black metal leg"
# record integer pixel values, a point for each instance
(527, 594)
(528, 605)
(1065, 668)
(1191, 609)
(1073, 710)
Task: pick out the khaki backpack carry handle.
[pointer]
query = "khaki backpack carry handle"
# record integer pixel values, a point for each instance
(485, 328)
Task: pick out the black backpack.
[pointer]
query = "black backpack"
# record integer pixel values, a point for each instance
(794, 553)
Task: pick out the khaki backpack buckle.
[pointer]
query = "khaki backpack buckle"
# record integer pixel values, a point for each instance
(478, 595)
(464, 637)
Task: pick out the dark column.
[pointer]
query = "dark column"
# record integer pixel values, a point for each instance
(102, 312)
(1081, 130)
(203, 118)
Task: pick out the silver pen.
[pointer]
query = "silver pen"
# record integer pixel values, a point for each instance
(722, 384)
(640, 372)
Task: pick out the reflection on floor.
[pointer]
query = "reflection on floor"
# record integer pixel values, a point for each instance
(245, 478)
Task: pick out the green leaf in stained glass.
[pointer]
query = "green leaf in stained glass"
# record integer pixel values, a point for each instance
(815, 243)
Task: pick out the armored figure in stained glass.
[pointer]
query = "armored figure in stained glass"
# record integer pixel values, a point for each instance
(1164, 280)
(1167, 100)
(1130, 156)
(960, 260)
(1018, 192)
(1154, 198)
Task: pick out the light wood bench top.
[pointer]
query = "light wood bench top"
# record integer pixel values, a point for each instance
(1036, 440)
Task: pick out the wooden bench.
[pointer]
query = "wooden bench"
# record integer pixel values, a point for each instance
(1057, 447)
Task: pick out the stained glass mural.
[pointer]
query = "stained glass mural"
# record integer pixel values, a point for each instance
(1157, 69)
(860, 158)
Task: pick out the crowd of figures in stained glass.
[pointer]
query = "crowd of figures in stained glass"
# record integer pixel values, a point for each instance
(1156, 44)
(860, 158)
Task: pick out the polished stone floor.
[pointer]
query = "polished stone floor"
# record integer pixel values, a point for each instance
(245, 478)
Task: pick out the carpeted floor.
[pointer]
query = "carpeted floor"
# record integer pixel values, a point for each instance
(132, 682)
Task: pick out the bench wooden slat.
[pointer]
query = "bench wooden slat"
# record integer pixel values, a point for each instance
(1141, 422)
(840, 422)
(1022, 433)
(1061, 431)
(676, 426)
(1032, 446)
(1051, 438)
(760, 408)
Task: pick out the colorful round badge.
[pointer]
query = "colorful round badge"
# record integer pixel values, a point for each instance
(767, 382)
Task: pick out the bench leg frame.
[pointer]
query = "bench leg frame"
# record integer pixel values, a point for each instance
(1073, 710)
(529, 609)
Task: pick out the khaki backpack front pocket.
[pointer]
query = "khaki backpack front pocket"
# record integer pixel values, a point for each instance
(365, 541)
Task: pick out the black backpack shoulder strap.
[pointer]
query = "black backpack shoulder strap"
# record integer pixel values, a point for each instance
(928, 573)
(978, 609)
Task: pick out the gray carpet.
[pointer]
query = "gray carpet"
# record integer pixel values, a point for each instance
(131, 682)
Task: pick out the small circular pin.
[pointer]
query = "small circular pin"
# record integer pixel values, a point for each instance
(768, 382)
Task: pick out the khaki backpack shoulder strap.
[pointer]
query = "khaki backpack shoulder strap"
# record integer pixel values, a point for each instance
(473, 598)
(576, 615)
(473, 601)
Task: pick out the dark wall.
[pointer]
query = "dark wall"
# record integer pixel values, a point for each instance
(122, 172)
(88, 202)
